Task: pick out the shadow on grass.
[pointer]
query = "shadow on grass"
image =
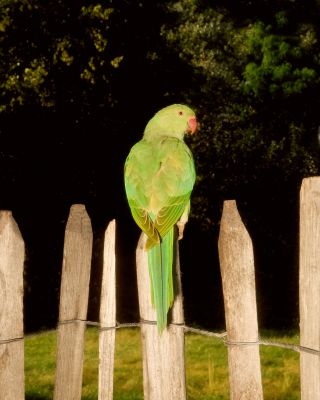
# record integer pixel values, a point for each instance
(44, 392)
(35, 396)
(41, 396)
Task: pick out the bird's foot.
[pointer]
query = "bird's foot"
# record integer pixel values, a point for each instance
(180, 226)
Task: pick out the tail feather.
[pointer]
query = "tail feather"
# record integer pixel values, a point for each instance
(167, 260)
(160, 261)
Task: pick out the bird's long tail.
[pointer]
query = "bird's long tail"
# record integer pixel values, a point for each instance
(160, 261)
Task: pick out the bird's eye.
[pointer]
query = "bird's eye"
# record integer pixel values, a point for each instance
(180, 113)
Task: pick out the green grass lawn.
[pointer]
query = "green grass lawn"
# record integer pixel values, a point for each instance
(206, 367)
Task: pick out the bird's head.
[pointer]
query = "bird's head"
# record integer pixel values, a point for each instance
(175, 120)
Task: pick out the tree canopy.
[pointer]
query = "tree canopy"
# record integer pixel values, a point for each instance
(256, 86)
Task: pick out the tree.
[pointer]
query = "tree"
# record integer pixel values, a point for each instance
(256, 86)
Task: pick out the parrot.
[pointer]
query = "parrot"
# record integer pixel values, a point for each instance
(159, 175)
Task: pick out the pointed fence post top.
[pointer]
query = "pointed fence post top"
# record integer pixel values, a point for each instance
(237, 272)
(78, 206)
(311, 180)
(78, 220)
(230, 215)
(231, 222)
(310, 187)
(111, 228)
(76, 267)
(5, 213)
(7, 220)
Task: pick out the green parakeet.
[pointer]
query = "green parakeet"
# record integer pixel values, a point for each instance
(159, 177)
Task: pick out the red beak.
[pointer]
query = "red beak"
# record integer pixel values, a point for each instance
(192, 124)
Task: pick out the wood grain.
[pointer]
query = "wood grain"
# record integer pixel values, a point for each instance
(73, 304)
(107, 315)
(309, 277)
(238, 281)
(11, 309)
(163, 355)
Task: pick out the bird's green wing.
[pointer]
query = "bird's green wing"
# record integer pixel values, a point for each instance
(144, 221)
(159, 177)
(137, 173)
(170, 214)
(174, 184)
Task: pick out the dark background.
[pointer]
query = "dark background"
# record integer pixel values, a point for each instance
(64, 138)
(50, 170)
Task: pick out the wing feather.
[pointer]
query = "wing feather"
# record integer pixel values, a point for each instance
(159, 178)
(145, 223)
(170, 214)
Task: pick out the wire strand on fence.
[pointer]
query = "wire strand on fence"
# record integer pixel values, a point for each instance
(223, 336)
(294, 347)
(16, 339)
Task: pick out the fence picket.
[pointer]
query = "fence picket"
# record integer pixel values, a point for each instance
(238, 281)
(309, 277)
(73, 304)
(163, 356)
(107, 315)
(11, 309)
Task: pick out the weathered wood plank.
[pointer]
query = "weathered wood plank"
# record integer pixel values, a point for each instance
(107, 315)
(238, 281)
(309, 277)
(163, 356)
(11, 309)
(73, 304)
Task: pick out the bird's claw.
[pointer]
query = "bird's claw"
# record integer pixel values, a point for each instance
(180, 226)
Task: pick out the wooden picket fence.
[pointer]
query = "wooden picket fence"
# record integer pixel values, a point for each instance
(163, 356)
